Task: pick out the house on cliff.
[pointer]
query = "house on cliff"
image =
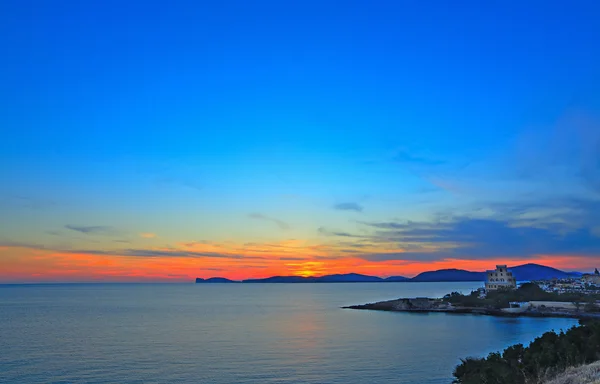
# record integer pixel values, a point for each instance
(500, 278)
(591, 278)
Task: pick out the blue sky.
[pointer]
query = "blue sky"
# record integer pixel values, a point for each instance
(265, 121)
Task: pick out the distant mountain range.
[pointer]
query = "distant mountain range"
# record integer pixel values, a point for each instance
(523, 272)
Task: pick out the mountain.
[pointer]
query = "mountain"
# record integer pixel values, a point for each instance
(349, 278)
(343, 278)
(281, 279)
(395, 279)
(214, 280)
(527, 272)
(449, 275)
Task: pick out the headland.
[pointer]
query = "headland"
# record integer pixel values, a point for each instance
(528, 300)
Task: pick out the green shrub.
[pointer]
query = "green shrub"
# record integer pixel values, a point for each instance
(547, 355)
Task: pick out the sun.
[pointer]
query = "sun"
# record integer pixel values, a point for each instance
(305, 273)
(308, 268)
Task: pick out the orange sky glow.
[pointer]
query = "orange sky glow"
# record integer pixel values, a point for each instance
(19, 264)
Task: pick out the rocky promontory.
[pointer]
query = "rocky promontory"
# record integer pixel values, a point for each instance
(440, 305)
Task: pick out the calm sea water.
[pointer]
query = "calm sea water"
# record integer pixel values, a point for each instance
(251, 333)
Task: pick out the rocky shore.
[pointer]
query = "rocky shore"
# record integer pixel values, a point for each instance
(426, 305)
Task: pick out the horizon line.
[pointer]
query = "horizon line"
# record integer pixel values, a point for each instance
(193, 279)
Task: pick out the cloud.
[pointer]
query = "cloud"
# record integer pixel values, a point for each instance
(27, 202)
(118, 252)
(260, 216)
(148, 235)
(558, 159)
(94, 229)
(19, 244)
(350, 206)
(569, 149)
(452, 185)
(324, 231)
(511, 231)
(157, 253)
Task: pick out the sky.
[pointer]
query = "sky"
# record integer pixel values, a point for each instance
(168, 140)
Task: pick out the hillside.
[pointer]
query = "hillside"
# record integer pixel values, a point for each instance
(585, 374)
(530, 271)
(214, 280)
(525, 272)
(449, 275)
(394, 279)
(339, 278)
(348, 278)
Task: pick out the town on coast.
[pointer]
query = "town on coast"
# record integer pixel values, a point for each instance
(575, 297)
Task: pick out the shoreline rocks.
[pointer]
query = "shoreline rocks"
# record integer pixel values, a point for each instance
(427, 305)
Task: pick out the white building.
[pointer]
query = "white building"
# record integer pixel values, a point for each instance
(500, 278)
(591, 279)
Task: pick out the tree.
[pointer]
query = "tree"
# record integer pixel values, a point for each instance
(547, 355)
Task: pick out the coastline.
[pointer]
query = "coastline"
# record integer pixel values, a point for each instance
(427, 305)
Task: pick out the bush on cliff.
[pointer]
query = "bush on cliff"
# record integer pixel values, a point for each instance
(544, 358)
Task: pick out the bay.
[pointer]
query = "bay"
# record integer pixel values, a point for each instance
(241, 333)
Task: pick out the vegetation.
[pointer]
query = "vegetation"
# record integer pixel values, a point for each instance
(526, 292)
(586, 374)
(546, 357)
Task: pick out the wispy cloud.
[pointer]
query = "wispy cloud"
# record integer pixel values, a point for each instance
(157, 253)
(568, 150)
(259, 216)
(506, 231)
(19, 244)
(560, 159)
(27, 202)
(349, 206)
(148, 235)
(94, 229)
(325, 232)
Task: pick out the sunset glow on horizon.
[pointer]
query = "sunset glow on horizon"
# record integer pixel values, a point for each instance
(166, 142)
(51, 266)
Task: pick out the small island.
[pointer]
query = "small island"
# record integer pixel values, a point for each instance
(571, 297)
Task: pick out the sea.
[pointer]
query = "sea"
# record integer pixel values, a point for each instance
(241, 333)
